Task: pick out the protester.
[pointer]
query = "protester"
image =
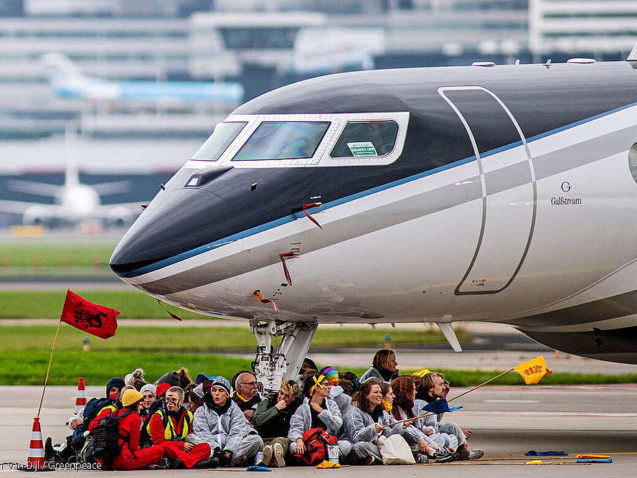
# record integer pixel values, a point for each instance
(148, 392)
(222, 425)
(173, 428)
(193, 397)
(79, 423)
(177, 378)
(367, 421)
(383, 367)
(136, 379)
(316, 411)
(272, 421)
(424, 447)
(436, 389)
(131, 456)
(246, 395)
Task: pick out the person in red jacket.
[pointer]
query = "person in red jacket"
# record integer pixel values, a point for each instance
(132, 457)
(172, 428)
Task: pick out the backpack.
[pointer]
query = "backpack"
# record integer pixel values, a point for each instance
(91, 410)
(316, 446)
(106, 437)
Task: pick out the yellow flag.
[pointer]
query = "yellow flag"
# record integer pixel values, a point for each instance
(533, 370)
(422, 372)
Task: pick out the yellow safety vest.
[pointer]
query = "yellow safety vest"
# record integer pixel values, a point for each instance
(169, 432)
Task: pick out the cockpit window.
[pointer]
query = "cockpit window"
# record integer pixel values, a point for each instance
(283, 140)
(219, 140)
(366, 138)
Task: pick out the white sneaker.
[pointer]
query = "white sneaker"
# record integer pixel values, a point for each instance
(279, 459)
(266, 455)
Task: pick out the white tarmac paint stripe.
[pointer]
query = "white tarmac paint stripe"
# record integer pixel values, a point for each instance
(554, 414)
(511, 401)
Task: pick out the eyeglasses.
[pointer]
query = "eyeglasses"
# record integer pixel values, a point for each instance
(249, 383)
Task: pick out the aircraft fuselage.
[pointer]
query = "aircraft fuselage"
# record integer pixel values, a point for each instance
(507, 195)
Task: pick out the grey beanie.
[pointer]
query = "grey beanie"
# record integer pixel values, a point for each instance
(149, 387)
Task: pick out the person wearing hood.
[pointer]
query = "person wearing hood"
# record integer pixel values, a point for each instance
(173, 427)
(80, 421)
(272, 421)
(383, 367)
(221, 424)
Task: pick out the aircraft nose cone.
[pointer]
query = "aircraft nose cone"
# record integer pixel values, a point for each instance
(175, 223)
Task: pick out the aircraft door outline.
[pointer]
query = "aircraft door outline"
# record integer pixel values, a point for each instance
(487, 277)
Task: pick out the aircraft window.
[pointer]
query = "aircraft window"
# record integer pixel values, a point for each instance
(366, 138)
(283, 140)
(632, 161)
(219, 140)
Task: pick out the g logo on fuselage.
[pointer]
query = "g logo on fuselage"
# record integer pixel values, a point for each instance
(566, 186)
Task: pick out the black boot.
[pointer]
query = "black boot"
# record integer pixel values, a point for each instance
(49, 451)
(209, 463)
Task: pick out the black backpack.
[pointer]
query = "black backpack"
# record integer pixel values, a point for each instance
(106, 437)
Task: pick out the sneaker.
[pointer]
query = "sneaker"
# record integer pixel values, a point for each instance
(266, 455)
(422, 458)
(445, 457)
(279, 458)
(209, 463)
(240, 461)
(476, 454)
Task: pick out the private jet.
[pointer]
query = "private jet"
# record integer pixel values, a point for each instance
(487, 193)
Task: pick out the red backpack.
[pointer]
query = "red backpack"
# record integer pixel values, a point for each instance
(316, 441)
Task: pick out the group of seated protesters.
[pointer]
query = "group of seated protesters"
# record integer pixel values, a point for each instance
(212, 422)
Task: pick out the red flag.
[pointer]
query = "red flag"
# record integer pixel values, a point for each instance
(92, 318)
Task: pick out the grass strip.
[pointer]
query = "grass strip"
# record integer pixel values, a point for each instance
(33, 254)
(47, 304)
(184, 339)
(18, 367)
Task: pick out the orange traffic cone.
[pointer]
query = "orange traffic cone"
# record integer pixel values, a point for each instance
(35, 460)
(80, 397)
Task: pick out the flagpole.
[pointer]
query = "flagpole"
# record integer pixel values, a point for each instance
(451, 399)
(46, 380)
(481, 385)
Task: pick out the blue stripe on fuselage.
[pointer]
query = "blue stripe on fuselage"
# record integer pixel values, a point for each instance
(288, 219)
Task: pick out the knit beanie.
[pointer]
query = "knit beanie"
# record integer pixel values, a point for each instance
(222, 382)
(171, 378)
(149, 387)
(161, 389)
(115, 382)
(131, 397)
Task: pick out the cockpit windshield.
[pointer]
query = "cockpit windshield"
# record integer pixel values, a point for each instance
(219, 140)
(283, 140)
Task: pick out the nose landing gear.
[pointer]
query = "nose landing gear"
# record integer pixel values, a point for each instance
(272, 367)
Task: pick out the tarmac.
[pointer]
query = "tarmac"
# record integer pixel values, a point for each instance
(507, 422)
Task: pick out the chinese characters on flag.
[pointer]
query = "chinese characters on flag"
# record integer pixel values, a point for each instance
(91, 318)
(533, 370)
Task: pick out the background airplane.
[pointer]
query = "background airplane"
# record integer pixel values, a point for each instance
(69, 82)
(75, 203)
